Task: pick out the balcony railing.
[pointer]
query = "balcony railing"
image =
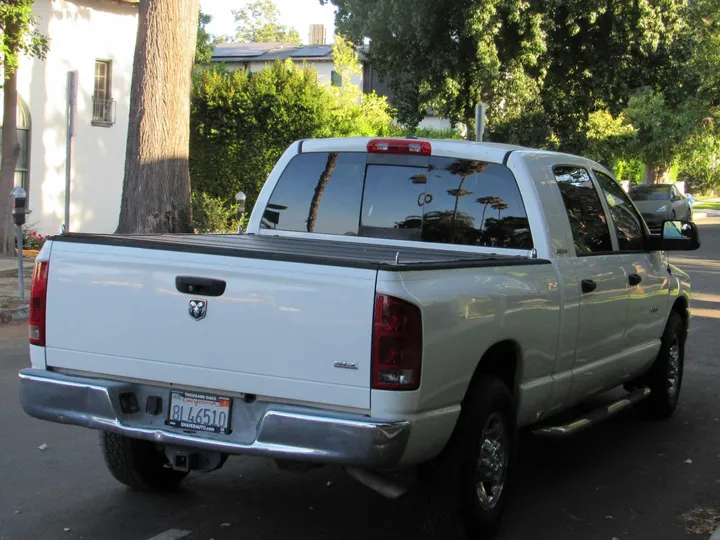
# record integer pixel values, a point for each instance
(103, 112)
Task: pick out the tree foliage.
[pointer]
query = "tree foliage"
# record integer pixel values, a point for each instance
(660, 130)
(526, 60)
(18, 37)
(241, 124)
(259, 21)
(205, 41)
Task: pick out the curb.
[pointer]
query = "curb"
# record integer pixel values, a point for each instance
(21, 313)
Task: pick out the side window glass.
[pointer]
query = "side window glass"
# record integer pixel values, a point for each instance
(585, 212)
(628, 225)
(318, 192)
(474, 203)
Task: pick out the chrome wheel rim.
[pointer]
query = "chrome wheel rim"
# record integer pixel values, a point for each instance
(673, 376)
(492, 462)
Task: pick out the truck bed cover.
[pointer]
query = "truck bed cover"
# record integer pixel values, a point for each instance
(309, 251)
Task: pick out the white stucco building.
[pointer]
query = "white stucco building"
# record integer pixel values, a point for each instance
(96, 38)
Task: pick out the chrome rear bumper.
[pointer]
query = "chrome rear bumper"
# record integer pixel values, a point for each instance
(258, 428)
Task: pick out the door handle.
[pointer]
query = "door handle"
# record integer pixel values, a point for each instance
(200, 286)
(588, 285)
(634, 279)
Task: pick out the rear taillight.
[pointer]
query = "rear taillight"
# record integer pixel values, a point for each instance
(397, 146)
(38, 303)
(397, 344)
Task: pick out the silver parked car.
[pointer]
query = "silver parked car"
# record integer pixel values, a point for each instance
(660, 202)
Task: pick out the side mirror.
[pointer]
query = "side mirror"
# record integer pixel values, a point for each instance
(676, 236)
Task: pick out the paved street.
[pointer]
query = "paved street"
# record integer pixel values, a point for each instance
(626, 479)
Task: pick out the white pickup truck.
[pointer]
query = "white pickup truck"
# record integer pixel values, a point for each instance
(395, 305)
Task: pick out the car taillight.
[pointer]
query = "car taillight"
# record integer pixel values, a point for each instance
(396, 146)
(397, 344)
(38, 302)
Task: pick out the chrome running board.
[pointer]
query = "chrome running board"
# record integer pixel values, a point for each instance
(594, 417)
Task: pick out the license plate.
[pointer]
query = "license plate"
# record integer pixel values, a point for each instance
(199, 412)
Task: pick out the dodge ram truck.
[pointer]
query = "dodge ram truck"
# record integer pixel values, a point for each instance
(394, 305)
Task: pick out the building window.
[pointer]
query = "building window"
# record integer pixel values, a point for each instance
(336, 79)
(22, 167)
(103, 104)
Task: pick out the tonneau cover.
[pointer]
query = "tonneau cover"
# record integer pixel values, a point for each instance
(309, 251)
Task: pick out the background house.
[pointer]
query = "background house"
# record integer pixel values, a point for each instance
(97, 39)
(256, 56)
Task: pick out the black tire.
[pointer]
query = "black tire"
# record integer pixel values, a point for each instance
(138, 464)
(450, 484)
(668, 367)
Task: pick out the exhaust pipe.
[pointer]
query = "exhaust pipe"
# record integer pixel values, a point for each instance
(378, 483)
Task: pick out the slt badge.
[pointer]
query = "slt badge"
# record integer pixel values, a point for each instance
(198, 309)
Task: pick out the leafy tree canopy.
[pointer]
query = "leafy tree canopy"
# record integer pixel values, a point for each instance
(259, 21)
(205, 40)
(18, 35)
(555, 61)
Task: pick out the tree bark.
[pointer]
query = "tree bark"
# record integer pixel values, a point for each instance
(656, 173)
(10, 152)
(649, 175)
(156, 188)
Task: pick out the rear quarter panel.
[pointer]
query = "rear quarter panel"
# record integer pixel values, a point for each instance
(465, 312)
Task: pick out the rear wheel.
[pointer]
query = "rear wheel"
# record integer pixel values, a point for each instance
(665, 376)
(466, 488)
(138, 464)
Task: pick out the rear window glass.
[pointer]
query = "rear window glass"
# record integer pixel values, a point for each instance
(392, 202)
(451, 201)
(318, 193)
(650, 193)
(475, 203)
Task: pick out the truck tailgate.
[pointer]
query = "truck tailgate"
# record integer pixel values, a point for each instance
(277, 330)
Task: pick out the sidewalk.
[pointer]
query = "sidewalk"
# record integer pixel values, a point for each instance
(12, 308)
(702, 213)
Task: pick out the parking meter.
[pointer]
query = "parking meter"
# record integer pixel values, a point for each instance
(240, 198)
(19, 208)
(19, 212)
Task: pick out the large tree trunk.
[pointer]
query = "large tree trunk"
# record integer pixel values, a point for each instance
(10, 152)
(656, 173)
(156, 189)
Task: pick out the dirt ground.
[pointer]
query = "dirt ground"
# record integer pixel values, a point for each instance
(9, 293)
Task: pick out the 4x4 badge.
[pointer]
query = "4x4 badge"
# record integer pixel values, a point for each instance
(198, 309)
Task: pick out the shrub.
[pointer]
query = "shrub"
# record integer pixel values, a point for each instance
(425, 133)
(32, 239)
(213, 215)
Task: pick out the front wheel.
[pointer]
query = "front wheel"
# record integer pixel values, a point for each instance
(466, 488)
(665, 376)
